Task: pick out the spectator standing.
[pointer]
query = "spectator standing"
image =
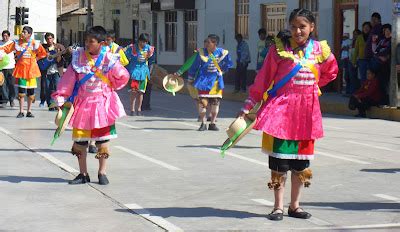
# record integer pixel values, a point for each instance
(8, 89)
(242, 62)
(376, 30)
(359, 60)
(261, 45)
(345, 59)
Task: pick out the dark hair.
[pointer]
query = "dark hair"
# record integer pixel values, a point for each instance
(111, 33)
(284, 35)
(97, 32)
(239, 36)
(214, 38)
(144, 37)
(358, 31)
(6, 32)
(300, 12)
(28, 29)
(367, 24)
(376, 15)
(48, 34)
(262, 31)
(387, 26)
(373, 70)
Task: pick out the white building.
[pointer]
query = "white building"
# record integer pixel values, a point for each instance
(42, 17)
(228, 17)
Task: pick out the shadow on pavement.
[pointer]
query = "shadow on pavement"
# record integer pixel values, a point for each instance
(37, 150)
(383, 170)
(194, 212)
(19, 179)
(362, 206)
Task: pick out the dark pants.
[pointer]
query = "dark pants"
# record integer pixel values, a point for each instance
(353, 82)
(241, 77)
(51, 81)
(43, 87)
(8, 88)
(362, 69)
(146, 97)
(363, 105)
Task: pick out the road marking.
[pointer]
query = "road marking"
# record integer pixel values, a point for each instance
(264, 202)
(168, 109)
(132, 127)
(334, 127)
(368, 145)
(5, 131)
(57, 162)
(355, 227)
(313, 220)
(387, 197)
(137, 154)
(188, 124)
(342, 158)
(155, 219)
(239, 157)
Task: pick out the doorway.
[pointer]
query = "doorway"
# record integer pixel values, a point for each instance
(190, 32)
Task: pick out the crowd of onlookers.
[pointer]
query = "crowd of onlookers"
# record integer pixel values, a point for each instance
(365, 61)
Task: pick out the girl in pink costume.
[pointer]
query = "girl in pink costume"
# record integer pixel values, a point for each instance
(96, 103)
(291, 117)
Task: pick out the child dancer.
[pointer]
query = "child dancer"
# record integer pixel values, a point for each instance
(91, 80)
(291, 118)
(26, 69)
(139, 56)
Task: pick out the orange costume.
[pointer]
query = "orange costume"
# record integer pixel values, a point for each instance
(26, 68)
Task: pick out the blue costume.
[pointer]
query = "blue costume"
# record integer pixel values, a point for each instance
(138, 67)
(207, 75)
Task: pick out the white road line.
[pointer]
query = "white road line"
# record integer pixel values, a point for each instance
(387, 197)
(354, 227)
(5, 131)
(342, 158)
(168, 109)
(137, 154)
(239, 157)
(57, 162)
(155, 219)
(334, 127)
(264, 202)
(313, 220)
(368, 145)
(132, 127)
(188, 124)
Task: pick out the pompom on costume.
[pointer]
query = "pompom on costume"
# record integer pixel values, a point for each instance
(291, 120)
(138, 67)
(97, 105)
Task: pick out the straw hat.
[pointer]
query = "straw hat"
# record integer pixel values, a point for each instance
(240, 127)
(173, 83)
(64, 116)
(1, 78)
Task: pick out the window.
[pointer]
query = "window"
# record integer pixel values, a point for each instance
(313, 6)
(170, 30)
(242, 17)
(273, 18)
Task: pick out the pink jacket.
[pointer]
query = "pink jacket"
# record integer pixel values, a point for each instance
(294, 113)
(97, 105)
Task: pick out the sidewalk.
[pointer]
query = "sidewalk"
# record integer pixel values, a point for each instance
(331, 103)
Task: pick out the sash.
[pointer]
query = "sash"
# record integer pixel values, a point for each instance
(25, 49)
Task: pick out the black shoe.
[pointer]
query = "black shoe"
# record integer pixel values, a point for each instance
(203, 127)
(213, 127)
(132, 113)
(92, 149)
(298, 213)
(20, 115)
(12, 104)
(103, 179)
(139, 113)
(80, 179)
(361, 115)
(29, 115)
(52, 109)
(276, 215)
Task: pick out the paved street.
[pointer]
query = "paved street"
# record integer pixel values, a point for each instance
(165, 175)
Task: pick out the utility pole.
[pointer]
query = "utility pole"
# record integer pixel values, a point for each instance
(89, 19)
(393, 86)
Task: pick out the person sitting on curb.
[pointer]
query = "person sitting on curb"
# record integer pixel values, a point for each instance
(368, 95)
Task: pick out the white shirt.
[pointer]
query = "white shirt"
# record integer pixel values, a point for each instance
(11, 65)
